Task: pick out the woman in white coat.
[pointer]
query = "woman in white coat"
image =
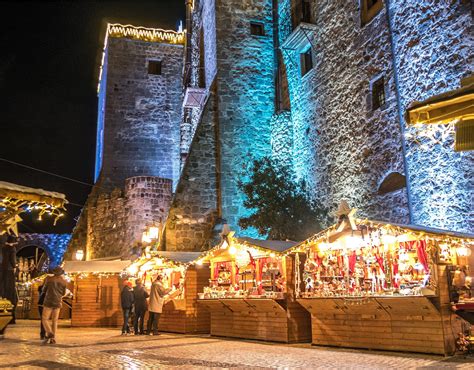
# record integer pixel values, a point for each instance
(155, 308)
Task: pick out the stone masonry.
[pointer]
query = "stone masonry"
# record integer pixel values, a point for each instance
(434, 49)
(323, 124)
(239, 67)
(138, 153)
(342, 148)
(116, 221)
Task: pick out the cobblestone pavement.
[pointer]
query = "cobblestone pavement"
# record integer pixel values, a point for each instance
(105, 348)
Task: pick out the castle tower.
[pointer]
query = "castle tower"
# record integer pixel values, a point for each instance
(139, 105)
(138, 137)
(228, 104)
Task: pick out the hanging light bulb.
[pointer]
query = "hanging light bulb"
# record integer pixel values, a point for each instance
(232, 250)
(79, 254)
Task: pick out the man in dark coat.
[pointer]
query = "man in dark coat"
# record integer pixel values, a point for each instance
(8, 280)
(126, 300)
(141, 306)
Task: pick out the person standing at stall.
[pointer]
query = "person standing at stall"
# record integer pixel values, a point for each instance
(126, 300)
(54, 290)
(140, 296)
(157, 299)
(8, 279)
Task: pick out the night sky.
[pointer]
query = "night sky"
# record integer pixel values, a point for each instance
(48, 79)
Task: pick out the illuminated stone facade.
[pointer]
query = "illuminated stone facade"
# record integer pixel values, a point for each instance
(236, 69)
(336, 120)
(139, 117)
(342, 146)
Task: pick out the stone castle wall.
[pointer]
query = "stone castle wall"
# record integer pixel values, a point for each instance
(116, 221)
(139, 118)
(245, 93)
(342, 148)
(434, 49)
(142, 112)
(194, 210)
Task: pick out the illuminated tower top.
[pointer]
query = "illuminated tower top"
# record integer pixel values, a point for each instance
(139, 107)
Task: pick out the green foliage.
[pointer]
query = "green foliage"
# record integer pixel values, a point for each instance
(281, 208)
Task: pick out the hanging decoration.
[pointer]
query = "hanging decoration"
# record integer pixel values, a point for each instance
(17, 199)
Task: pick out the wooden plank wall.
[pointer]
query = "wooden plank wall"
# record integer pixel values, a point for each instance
(34, 314)
(392, 325)
(188, 316)
(299, 319)
(451, 323)
(247, 323)
(412, 324)
(97, 301)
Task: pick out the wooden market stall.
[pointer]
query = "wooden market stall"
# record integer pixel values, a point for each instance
(251, 292)
(181, 314)
(96, 289)
(381, 286)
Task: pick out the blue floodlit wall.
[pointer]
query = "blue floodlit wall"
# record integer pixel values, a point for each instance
(100, 119)
(342, 148)
(434, 49)
(55, 245)
(282, 139)
(245, 88)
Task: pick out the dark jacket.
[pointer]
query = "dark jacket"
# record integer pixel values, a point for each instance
(54, 290)
(41, 295)
(140, 295)
(126, 297)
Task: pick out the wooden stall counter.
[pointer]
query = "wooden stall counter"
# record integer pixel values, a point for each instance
(251, 292)
(411, 324)
(181, 313)
(381, 286)
(252, 318)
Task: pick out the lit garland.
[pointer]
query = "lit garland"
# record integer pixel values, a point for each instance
(388, 229)
(139, 33)
(12, 206)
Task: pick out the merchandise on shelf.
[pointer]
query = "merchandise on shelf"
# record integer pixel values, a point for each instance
(242, 270)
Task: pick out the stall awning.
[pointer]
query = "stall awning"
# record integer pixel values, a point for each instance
(75, 267)
(443, 108)
(275, 245)
(182, 257)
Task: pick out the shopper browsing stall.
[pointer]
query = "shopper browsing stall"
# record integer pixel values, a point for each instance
(157, 299)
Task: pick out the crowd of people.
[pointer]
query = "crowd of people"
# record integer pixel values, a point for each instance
(137, 301)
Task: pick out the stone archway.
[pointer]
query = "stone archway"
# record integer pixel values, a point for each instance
(54, 245)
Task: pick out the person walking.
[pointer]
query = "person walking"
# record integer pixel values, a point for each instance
(157, 299)
(126, 300)
(54, 290)
(140, 296)
(40, 310)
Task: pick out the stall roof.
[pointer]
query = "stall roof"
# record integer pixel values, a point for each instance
(418, 228)
(95, 266)
(275, 245)
(183, 257)
(427, 229)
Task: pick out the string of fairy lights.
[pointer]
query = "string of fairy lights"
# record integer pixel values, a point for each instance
(138, 33)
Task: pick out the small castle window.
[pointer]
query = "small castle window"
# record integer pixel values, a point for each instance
(378, 93)
(369, 9)
(305, 11)
(306, 59)
(257, 29)
(154, 67)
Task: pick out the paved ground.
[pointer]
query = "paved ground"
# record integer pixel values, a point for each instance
(105, 348)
